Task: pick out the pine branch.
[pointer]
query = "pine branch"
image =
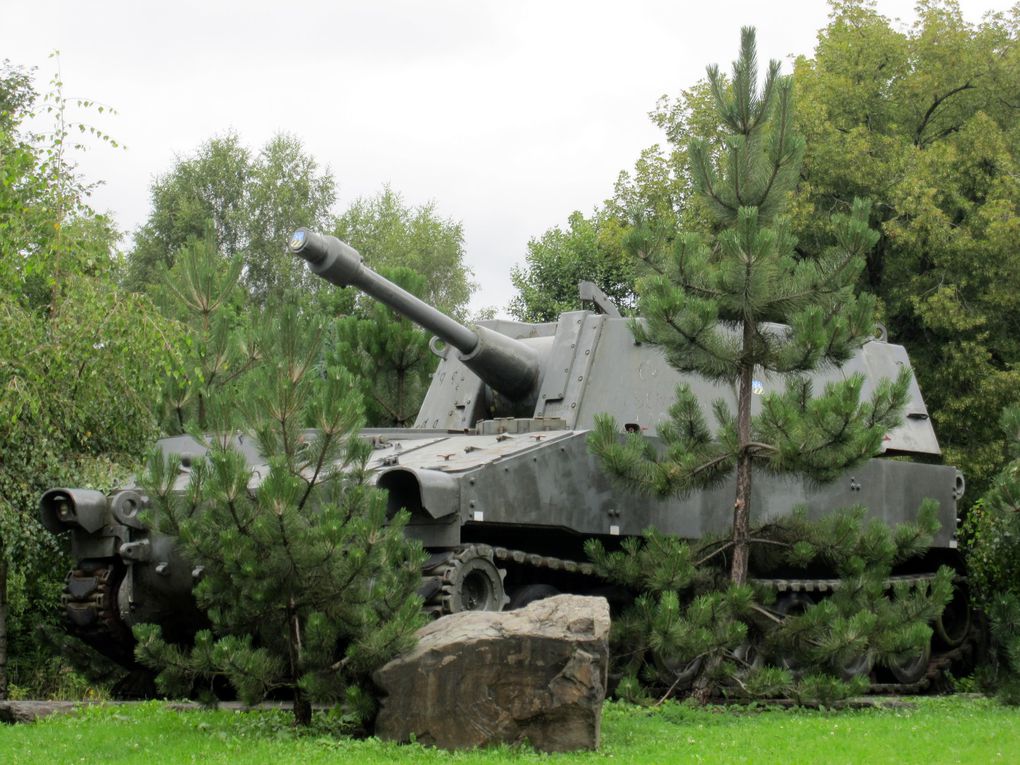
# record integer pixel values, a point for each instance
(241, 527)
(777, 165)
(726, 545)
(320, 463)
(695, 341)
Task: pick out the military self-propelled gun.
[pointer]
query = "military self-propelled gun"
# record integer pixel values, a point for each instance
(498, 478)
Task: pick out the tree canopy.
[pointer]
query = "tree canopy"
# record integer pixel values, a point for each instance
(590, 249)
(389, 233)
(250, 201)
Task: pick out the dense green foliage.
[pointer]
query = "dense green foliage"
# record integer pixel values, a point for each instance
(992, 542)
(250, 202)
(80, 362)
(689, 615)
(308, 585)
(918, 732)
(590, 249)
(925, 123)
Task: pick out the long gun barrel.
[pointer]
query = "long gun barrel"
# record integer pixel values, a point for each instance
(508, 366)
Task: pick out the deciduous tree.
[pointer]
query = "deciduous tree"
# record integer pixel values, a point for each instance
(389, 233)
(590, 249)
(991, 535)
(80, 361)
(250, 202)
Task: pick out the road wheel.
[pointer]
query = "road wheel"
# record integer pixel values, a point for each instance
(529, 593)
(908, 668)
(858, 665)
(676, 673)
(792, 604)
(953, 625)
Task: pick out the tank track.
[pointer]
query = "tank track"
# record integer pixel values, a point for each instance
(831, 585)
(933, 675)
(439, 574)
(90, 607)
(89, 601)
(937, 665)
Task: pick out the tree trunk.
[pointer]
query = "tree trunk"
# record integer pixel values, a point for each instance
(3, 623)
(742, 504)
(302, 707)
(701, 692)
(704, 686)
(201, 411)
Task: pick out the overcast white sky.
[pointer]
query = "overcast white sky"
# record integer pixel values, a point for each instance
(509, 115)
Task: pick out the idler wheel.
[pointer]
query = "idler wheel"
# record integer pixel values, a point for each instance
(529, 593)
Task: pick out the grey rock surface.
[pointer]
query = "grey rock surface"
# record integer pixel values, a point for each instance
(476, 678)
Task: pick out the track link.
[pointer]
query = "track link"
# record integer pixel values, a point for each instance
(939, 662)
(439, 573)
(90, 610)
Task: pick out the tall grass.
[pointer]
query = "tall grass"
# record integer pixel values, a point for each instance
(931, 731)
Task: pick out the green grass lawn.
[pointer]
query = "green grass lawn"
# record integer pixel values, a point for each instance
(935, 731)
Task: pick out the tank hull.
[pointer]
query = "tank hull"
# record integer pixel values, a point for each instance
(497, 476)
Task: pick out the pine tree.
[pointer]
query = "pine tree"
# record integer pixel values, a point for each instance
(307, 584)
(685, 612)
(865, 621)
(202, 292)
(739, 302)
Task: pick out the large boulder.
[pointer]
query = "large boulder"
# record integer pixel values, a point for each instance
(478, 677)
